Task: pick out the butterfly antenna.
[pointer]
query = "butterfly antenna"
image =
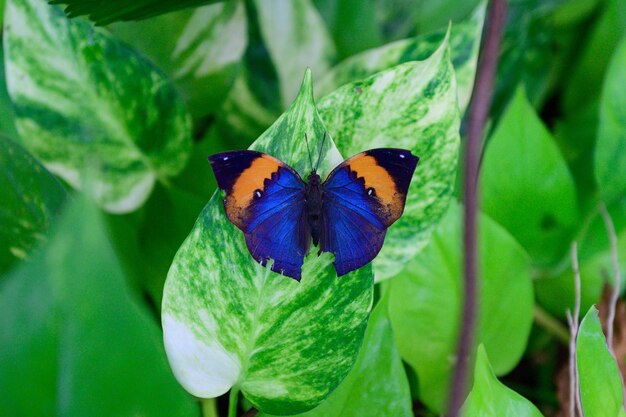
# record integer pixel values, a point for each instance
(306, 139)
(319, 156)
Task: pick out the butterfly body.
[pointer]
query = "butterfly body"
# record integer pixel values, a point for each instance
(313, 198)
(347, 214)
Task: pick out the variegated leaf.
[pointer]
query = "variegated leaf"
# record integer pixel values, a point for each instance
(199, 49)
(377, 385)
(411, 106)
(31, 199)
(231, 324)
(88, 104)
(464, 43)
(296, 38)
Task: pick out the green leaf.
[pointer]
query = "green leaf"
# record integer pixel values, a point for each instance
(115, 10)
(352, 24)
(31, 199)
(464, 44)
(601, 391)
(89, 106)
(490, 398)
(411, 106)
(526, 185)
(200, 50)
(594, 55)
(426, 300)
(7, 115)
(556, 292)
(610, 153)
(298, 40)
(229, 322)
(72, 336)
(377, 384)
(433, 15)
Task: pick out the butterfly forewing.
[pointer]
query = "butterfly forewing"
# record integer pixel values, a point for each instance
(363, 196)
(265, 199)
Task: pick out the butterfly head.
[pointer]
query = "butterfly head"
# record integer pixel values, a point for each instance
(314, 179)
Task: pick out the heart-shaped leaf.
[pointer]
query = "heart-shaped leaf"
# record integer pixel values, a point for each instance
(230, 323)
(610, 154)
(426, 300)
(89, 106)
(601, 391)
(411, 106)
(526, 184)
(74, 342)
(31, 199)
(491, 398)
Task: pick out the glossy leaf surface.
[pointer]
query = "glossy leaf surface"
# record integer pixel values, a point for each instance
(88, 105)
(229, 322)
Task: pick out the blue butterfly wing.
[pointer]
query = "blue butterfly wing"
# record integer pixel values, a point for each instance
(265, 199)
(363, 196)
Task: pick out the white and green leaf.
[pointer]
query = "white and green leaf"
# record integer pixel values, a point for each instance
(426, 300)
(464, 44)
(296, 38)
(31, 199)
(199, 49)
(377, 384)
(89, 106)
(411, 106)
(231, 324)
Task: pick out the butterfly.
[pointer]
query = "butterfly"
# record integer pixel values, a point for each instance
(348, 214)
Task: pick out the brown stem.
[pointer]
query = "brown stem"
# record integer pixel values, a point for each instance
(478, 113)
(251, 413)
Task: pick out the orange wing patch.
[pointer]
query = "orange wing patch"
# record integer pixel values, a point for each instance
(383, 184)
(251, 179)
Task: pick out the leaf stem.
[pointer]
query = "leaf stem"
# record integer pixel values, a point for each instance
(233, 400)
(478, 113)
(572, 319)
(610, 230)
(551, 325)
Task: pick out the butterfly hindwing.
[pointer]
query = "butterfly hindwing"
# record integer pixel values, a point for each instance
(363, 196)
(265, 199)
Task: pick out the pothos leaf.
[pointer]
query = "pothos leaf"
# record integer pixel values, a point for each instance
(610, 153)
(299, 39)
(377, 384)
(464, 44)
(89, 106)
(411, 106)
(490, 398)
(116, 10)
(601, 391)
(199, 49)
(228, 322)
(31, 199)
(73, 334)
(426, 300)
